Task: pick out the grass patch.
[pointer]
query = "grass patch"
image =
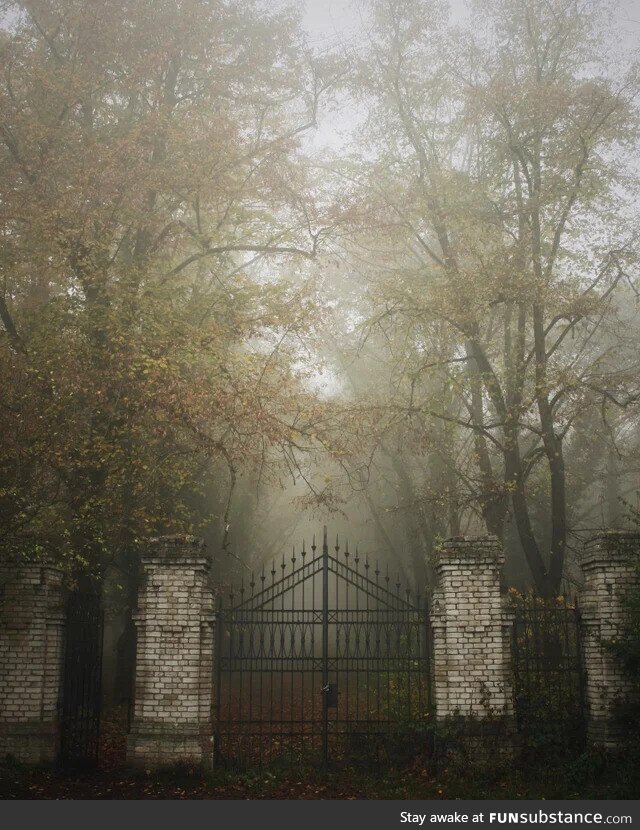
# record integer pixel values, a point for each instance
(589, 775)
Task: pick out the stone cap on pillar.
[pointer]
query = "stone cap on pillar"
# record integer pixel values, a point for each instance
(176, 549)
(611, 546)
(22, 564)
(470, 550)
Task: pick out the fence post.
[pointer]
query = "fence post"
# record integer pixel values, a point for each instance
(171, 721)
(32, 620)
(610, 563)
(472, 640)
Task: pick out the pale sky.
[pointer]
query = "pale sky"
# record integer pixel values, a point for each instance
(338, 24)
(335, 21)
(339, 19)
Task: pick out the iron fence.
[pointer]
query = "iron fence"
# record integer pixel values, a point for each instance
(81, 688)
(548, 670)
(323, 658)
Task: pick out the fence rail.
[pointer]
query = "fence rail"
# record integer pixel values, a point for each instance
(548, 670)
(81, 690)
(325, 660)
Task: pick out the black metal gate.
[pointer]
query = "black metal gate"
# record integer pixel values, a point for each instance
(81, 692)
(548, 671)
(323, 659)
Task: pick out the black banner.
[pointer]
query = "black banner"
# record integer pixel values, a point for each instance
(329, 815)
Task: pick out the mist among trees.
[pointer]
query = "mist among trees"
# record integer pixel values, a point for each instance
(215, 321)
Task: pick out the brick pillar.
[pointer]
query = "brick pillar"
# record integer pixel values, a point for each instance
(173, 686)
(610, 566)
(32, 618)
(471, 634)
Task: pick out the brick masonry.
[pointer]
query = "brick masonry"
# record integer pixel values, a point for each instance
(471, 632)
(32, 617)
(172, 720)
(173, 686)
(610, 567)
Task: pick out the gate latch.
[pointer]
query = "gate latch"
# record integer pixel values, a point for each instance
(331, 692)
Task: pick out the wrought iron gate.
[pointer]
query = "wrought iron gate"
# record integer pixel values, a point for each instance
(81, 692)
(548, 671)
(326, 658)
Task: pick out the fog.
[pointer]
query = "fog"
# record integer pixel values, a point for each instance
(364, 265)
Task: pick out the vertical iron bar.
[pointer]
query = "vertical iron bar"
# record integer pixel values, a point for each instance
(98, 699)
(241, 615)
(313, 649)
(409, 619)
(292, 651)
(303, 662)
(428, 657)
(218, 674)
(272, 652)
(263, 663)
(325, 647)
(378, 664)
(231, 729)
(335, 643)
(347, 646)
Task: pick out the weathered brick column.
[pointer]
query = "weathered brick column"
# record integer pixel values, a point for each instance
(610, 566)
(32, 618)
(471, 635)
(173, 685)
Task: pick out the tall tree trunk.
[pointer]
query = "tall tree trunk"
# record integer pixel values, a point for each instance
(612, 489)
(555, 459)
(422, 544)
(514, 483)
(493, 503)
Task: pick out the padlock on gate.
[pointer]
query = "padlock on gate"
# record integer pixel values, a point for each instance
(331, 693)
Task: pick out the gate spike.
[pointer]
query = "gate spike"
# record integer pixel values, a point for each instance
(262, 576)
(313, 545)
(252, 583)
(386, 576)
(398, 583)
(366, 564)
(357, 558)
(293, 557)
(303, 552)
(346, 551)
(377, 571)
(273, 571)
(242, 588)
(283, 566)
